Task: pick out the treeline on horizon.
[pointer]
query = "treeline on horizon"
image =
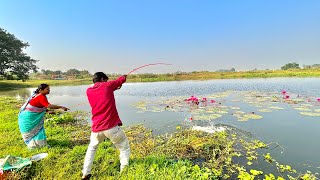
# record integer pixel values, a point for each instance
(71, 74)
(59, 75)
(289, 69)
(307, 71)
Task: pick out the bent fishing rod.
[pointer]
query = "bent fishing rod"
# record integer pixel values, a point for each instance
(146, 66)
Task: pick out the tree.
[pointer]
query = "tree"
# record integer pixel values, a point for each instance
(226, 70)
(290, 66)
(13, 61)
(72, 72)
(46, 72)
(85, 73)
(57, 72)
(314, 66)
(306, 66)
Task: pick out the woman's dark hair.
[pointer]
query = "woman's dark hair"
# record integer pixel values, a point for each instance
(98, 76)
(40, 87)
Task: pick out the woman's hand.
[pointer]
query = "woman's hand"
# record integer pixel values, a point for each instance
(52, 106)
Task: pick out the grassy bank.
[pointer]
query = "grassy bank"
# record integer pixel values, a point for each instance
(186, 154)
(13, 84)
(205, 75)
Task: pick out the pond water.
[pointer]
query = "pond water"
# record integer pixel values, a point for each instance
(293, 123)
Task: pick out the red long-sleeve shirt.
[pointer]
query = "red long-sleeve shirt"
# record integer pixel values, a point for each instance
(102, 102)
(39, 101)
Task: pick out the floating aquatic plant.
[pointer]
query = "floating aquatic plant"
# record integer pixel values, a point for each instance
(245, 117)
(276, 107)
(310, 113)
(303, 109)
(206, 117)
(264, 110)
(200, 108)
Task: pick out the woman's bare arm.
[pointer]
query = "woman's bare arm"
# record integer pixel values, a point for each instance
(52, 106)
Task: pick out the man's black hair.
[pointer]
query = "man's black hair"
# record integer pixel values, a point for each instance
(99, 76)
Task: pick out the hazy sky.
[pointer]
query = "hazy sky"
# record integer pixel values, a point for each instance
(117, 36)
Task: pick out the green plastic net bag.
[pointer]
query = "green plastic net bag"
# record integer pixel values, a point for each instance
(14, 163)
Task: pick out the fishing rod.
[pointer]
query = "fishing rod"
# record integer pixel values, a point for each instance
(146, 66)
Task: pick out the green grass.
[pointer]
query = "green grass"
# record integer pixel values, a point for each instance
(185, 154)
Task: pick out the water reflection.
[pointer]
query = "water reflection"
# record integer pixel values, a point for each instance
(20, 93)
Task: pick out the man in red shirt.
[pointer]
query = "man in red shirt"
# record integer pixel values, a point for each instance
(105, 120)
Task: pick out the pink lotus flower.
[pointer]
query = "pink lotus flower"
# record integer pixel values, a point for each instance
(283, 92)
(212, 101)
(318, 99)
(286, 97)
(191, 98)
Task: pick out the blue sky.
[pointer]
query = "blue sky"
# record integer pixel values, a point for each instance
(117, 36)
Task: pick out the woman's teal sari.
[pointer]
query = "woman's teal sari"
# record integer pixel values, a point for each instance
(31, 120)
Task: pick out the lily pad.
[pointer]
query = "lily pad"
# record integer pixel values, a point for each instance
(206, 117)
(307, 105)
(252, 116)
(303, 109)
(239, 112)
(222, 112)
(243, 119)
(276, 107)
(310, 113)
(264, 110)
